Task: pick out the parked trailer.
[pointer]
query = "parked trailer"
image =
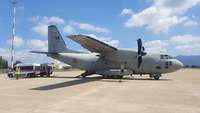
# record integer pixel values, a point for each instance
(31, 70)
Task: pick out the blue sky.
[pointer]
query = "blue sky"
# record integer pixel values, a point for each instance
(166, 26)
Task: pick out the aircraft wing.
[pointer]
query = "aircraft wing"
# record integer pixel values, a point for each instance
(92, 44)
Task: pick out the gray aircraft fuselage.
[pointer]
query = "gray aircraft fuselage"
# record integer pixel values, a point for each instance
(106, 60)
(152, 63)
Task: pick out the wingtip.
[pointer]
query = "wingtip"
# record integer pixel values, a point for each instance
(73, 36)
(31, 51)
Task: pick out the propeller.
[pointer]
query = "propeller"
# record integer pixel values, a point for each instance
(141, 52)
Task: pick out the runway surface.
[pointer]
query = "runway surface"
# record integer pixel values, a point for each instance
(177, 92)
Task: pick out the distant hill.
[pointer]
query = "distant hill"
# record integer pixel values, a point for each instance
(193, 60)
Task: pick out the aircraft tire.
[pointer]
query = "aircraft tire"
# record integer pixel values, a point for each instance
(83, 76)
(120, 76)
(114, 77)
(157, 76)
(151, 75)
(106, 77)
(41, 75)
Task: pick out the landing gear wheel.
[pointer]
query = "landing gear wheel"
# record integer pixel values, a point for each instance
(120, 76)
(105, 76)
(112, 76)
(157, 76)
(83, 76)
(151, 76)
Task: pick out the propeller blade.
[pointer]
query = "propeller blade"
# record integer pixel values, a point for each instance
(139, 43)
(139, 61)
(143, 49)
(141, 52)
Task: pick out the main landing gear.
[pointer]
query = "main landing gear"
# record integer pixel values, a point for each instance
(112, 76)
(83, 75)
(155, 76)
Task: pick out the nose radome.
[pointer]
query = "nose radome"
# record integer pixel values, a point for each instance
(179, 64)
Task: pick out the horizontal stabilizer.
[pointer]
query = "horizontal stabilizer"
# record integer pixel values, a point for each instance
(47, 53)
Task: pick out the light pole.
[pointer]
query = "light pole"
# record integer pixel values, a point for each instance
(14, 2)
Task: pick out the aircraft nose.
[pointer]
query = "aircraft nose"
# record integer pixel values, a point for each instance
(178, 65)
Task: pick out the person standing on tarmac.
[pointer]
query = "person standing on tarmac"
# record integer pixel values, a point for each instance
(17, 73)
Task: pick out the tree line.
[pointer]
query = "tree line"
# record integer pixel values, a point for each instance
(3, 63)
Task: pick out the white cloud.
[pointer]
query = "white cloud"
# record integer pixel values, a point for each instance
(176, 45)
(69, 29)
(27, 57)
(5, 53)
(156, 46)
(47, 20)
(185, 39)
(41, 23)
(126, 11)
(24, 56)
(53, 20)
(34, 19)
(41, 29)
(23, 53)
(162, 15)
(190, 23)
(107, 40)
(2, 50)
(37, 44)
(18, 41)
(188, 49)
(21, 7)
(89, 27)
(176, 6)
(186, 44)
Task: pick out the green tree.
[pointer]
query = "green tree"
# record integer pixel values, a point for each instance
(3, 63)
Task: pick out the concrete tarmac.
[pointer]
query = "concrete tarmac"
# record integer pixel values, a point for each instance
(177, 92)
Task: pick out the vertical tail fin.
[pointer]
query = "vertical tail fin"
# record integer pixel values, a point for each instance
(56, 43)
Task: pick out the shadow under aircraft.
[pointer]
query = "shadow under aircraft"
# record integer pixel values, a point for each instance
(66, 84)
(79, 81)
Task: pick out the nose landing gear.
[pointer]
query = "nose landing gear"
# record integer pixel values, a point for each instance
(155, 76)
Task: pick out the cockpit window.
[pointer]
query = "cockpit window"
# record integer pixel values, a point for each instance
(170, 57)
(166, 57)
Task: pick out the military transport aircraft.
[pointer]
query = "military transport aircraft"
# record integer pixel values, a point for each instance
(106, 60)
